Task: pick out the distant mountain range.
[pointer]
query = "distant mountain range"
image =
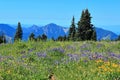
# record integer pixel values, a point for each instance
(7, 30)
(51, 30)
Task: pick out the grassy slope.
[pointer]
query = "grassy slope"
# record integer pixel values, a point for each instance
(67, 60)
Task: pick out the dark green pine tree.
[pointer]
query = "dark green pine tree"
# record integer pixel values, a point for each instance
(2, 38)
(94, 35)
(19, 33)
(118, 39)
(85, 28)
(44, 37)
(60, 38)
(32, 37)
(79, 33)
(72, 30)
(65, 38)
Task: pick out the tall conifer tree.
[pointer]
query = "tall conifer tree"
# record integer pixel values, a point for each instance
(19, 32)
(32, 36)
(85, 29)
(72, 30)
(2, 38)
(44, 37)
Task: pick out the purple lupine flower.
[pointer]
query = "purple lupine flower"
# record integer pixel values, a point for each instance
(112, 54)
(98, 55)
(105, 58)
(40, 54)
(70, 55)
(59, 50)
(118, 56)
(31, 50)
(85, 51)
(85, 46)
(73, 57)
(85, 61)
(91, 58)
(71, 48)
(100, 45)
(84, 55)
(24, 56)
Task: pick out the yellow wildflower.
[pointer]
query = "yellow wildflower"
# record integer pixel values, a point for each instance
(107, 63)
(8, 71)
(109, 70)
(105, 69)
(114, 65)
(118, 70)
(99, 61)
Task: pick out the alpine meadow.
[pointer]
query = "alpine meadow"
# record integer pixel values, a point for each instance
(77, 50)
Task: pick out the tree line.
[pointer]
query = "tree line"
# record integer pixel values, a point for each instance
(19, 33)
(83, 30)
(2, 38)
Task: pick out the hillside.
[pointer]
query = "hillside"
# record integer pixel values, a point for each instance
(64, 60)
(52, 30)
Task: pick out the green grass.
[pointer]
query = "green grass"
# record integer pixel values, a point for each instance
(67, 60)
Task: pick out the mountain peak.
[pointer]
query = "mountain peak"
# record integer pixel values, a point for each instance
(51, 24)
(52, 30)
(34, 27)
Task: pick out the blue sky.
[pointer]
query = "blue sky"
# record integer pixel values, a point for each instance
(41, 12)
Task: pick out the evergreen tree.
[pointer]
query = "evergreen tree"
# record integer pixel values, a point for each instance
(85, 28)
(118, 39)
(79, 29)
(65, 38)
(44, 37)
(60, 38)
(32, 36)
(2, 38)
(94, 36)
(72, 30)
(19, 32)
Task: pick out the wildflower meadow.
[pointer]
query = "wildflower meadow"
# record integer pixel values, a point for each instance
(87, 60)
